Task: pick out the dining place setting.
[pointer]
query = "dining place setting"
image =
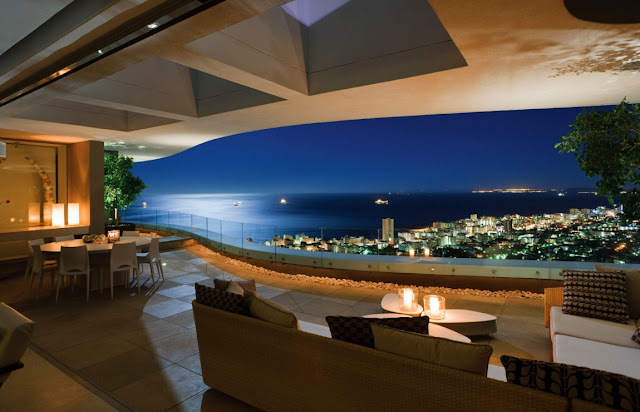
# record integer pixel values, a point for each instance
(116, 259)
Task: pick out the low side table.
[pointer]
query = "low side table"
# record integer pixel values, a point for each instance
(391, 303)
(468, 322)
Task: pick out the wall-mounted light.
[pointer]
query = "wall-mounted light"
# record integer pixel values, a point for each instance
(73, 214)
(57, 214)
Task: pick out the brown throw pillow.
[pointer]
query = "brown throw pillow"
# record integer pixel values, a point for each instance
(220, 299)
(633, 286)
(244, 284)
(357, 330)
(601, 295)
(603, 388)
(269, 311)
(467, 357)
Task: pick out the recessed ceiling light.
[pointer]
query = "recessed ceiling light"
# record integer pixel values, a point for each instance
(152, 25)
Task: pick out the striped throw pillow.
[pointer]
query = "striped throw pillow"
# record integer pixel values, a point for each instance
(601, 295)
(221, 299)
(575, 382)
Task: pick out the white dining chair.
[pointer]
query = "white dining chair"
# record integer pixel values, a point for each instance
(123, 258)
(40, 265)
(152, 257)
(30, 259)
(64, 238)
(130, 233)
(74, 261)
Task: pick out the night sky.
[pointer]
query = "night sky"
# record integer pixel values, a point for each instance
(438, 153)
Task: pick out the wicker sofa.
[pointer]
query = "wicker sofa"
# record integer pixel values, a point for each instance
(593, 343)
(278, 369)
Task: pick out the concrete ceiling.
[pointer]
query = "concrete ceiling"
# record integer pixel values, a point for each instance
(246, 65)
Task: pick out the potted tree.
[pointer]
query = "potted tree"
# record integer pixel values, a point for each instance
(606, 143)
(121, 187)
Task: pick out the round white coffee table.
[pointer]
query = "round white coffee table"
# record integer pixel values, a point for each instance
(468, 322)
(391, 302)
(434, 330)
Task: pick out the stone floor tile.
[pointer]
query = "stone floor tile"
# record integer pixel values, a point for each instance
(177, 291)
(161, 390)
(367, 308)
(168, 308)
(89, 353)
(211, 400)
(188, 298)
(324, 308)
(516, 328)
(24, 390)
(177, 347)
(63, 339)
(302, 298)
(123, 369)
(287, 301)
(151, 332)
(190, 279)
(192, 363)
(528, 310)
(492, 306)
(184, 319)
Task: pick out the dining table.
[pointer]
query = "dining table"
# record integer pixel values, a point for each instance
(55, 247)
(99, 254)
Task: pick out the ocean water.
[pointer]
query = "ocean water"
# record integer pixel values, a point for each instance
(358, 212)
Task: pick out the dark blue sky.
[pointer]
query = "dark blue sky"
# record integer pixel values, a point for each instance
(455, 153)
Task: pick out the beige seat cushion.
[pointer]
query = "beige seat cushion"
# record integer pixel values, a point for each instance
(233, 287)
(457, 355)
(633, 286)
(15, 335)
(592, 329)
(269, 311)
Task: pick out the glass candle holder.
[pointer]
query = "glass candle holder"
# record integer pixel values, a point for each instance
(434, 306)
(113, 236)
(408, 298)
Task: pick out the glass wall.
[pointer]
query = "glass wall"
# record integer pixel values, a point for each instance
(28, 185)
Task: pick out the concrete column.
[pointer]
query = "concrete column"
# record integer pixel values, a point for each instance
(85, 180)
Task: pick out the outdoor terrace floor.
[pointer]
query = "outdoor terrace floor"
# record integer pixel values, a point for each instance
(139, 352)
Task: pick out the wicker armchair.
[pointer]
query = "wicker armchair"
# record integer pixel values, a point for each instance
(552, 297)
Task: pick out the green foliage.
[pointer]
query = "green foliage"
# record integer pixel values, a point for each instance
(121, 187)
(606, 143)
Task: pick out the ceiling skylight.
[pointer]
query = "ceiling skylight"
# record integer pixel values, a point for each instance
(309, 12)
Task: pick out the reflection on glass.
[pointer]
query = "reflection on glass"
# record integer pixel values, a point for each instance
(28, 175)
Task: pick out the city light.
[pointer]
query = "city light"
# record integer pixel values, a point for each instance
(579, 235)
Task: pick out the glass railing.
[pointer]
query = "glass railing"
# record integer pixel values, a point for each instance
(344, 248)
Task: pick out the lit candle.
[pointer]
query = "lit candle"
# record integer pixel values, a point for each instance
(408, 298)
(434, 306)
(73, 214)
(427, 252)
(57, 214)
(412, 252)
